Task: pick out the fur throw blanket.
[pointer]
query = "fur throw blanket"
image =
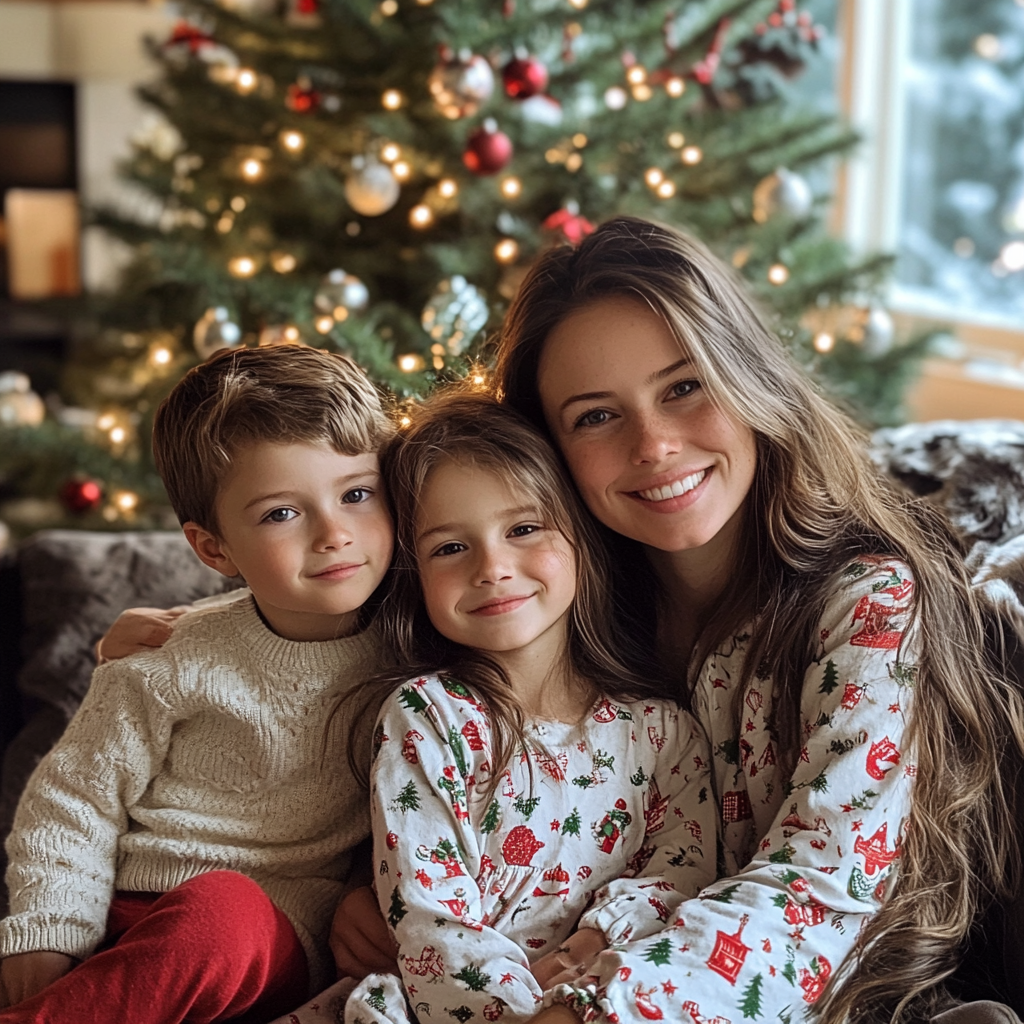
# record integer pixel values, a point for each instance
(974, 472)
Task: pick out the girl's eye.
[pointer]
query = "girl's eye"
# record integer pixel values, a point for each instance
(451, 548)
(280, 515)
(682, 388)
(524, 530)
(357, 496)
(593, 418)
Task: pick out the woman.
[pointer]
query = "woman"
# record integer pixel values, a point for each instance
(823, 625)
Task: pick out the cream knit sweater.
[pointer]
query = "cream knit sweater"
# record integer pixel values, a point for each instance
(206, 754)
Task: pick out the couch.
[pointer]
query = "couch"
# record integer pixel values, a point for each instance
(60, 590)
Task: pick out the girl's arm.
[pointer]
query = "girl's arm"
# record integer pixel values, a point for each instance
(763, 942)
(453, 963)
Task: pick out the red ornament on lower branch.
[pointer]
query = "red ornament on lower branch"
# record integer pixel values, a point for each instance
(81, 495)
(487, 149)
(524, 77)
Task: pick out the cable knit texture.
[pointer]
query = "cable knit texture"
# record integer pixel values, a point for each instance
(209, 753)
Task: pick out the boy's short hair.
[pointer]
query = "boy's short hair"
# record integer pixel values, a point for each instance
(282, 395)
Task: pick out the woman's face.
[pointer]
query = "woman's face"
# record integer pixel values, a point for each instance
(654, 459)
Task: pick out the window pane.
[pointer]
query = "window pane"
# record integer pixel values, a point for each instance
(961, 240)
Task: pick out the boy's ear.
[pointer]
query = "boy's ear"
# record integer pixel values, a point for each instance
(210, 549)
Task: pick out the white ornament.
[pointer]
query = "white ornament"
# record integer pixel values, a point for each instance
(615, 98)
(460, 84)
(782, 193)
(21, 409)
(341, 289)
(371, 189)
(878, 331)
(14, 380)
(542, 109)
(215, 330)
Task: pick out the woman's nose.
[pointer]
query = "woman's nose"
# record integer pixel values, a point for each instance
(653, 440)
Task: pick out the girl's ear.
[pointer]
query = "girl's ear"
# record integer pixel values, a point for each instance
(210, 549)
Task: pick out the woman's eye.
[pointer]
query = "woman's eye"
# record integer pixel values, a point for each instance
(682, 388)
(593, 418)
(357, 496)
(280, 515)
(451, 548)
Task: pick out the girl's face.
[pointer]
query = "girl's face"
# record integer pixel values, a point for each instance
(653, 457)
(494, 577)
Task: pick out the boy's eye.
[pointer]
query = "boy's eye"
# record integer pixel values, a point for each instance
(357, 496)
(451, 548)
(280, 515)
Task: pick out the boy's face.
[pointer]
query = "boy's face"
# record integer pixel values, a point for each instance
(309, 531)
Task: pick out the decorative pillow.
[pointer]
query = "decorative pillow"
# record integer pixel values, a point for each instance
(74, 584)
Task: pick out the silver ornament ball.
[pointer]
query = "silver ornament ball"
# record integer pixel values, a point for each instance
(879, 331)
(782, 193)
(341, 289)
(460, 84)
(455, 313)
(371, 189)
(215, 330)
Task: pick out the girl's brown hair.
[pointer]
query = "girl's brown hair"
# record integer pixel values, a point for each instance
(470, 428)
(818, 502)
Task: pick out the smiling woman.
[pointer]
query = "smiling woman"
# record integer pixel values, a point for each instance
(821, 627)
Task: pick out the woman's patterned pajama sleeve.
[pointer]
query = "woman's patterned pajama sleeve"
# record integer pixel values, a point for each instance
(807, 859)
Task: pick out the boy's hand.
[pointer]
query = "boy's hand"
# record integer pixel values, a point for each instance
(25, 974)
(571, 960)
(360, 939)
(136, 630)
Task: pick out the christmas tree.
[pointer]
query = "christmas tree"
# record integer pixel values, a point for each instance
(375, 176)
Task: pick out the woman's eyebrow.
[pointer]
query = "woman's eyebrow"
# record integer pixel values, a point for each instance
(590, 396)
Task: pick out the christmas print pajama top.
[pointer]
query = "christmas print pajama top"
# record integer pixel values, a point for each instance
(615, 814)
(807, 860)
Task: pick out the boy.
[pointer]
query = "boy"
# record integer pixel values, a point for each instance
(190, 835)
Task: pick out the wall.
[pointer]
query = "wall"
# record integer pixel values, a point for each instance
(99, 46)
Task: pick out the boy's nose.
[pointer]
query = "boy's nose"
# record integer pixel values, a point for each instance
(331, 533)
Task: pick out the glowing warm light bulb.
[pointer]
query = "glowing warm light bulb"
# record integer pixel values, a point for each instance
(238, 204)
(391, 99)
(479, 379)
(1012, 256)
(579, 140)
(161, 355)
(340, 313)
(667, 189)
(324, 324)
(447, 188)
(573, 162)
(636, 74)
(578, 4)
(511, 188)
(293, 141)
(824, 342)
(291, 334)
(676, 140)
(246, 80)
(778, 273)
(118, 434)
(251, 169)
(615, 97)
(242, 266)
(405, 421)
(692, 155)
(401, 170)
(283, 262)
(654, 177)
(389, 8)
(391, 152)
(126, 501)
(410, 363)
(506, 250)
(421, 216)
(675, 86)
(642, 92)
(988, 46)
(106, 421)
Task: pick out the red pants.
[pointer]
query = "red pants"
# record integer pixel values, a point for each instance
(213, 949)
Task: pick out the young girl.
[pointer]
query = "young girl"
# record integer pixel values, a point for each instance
(524, 774)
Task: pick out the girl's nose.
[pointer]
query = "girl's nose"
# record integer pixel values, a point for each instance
(654, 439)
(492, 567)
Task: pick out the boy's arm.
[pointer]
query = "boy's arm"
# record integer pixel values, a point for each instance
(62, 849)
(25, 974)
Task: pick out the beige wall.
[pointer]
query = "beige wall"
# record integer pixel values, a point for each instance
(98, 45)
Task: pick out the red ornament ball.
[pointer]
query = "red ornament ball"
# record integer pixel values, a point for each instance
(524, 77)
(302, 98)
(487, 150)
(81, 495)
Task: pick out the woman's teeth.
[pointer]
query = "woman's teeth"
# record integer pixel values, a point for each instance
(674, 489)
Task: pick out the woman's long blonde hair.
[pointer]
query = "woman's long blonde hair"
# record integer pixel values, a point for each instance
(817, 503)
(470, 428)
